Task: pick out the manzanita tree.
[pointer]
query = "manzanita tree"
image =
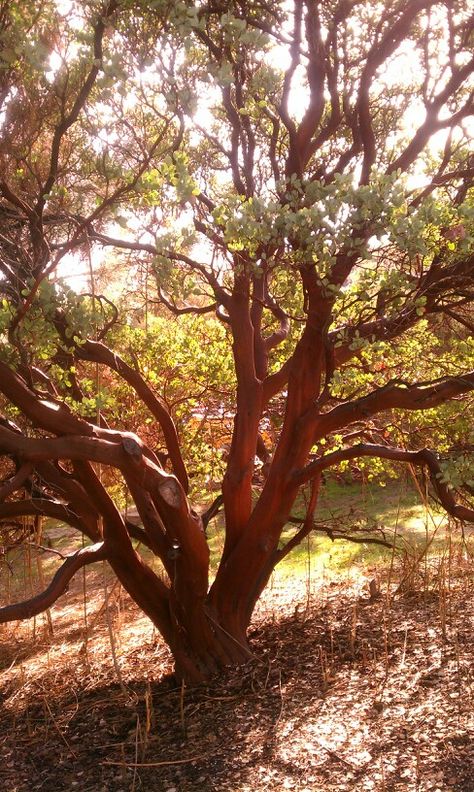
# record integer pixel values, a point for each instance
(297, 176)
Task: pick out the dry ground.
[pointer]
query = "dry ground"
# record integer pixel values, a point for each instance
(345, 693)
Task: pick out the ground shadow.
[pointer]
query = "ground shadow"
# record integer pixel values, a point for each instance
(87, 735)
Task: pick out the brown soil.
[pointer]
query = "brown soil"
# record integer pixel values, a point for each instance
(344, 693)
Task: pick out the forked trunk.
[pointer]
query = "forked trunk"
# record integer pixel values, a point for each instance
(202, 646)
(210, 635)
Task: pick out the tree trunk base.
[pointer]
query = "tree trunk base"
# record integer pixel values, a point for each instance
(196, 663)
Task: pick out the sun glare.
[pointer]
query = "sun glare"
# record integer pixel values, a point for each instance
(402, 70)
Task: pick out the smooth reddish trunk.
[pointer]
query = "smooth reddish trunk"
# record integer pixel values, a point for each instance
(202, 646)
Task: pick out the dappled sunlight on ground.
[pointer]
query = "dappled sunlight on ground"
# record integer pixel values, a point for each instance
(362, 679)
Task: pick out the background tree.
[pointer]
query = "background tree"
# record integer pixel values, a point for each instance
(293, 179)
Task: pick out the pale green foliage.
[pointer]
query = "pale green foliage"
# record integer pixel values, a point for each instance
(142, 141)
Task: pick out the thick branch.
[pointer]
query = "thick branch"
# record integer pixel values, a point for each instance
(432, 122)
(437, 282)
(424, 457)
(16, 481)
(48, 415)
(381, 50)
(392, 396)
(100, 353)
(316, 74)
(58, 585)
(41, 507)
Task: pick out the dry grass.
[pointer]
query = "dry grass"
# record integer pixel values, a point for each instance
(346, 692)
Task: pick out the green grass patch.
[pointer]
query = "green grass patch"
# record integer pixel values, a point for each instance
(395, 508)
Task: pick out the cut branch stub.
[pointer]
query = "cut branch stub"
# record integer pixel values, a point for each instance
(133, 449)
(170, 491)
